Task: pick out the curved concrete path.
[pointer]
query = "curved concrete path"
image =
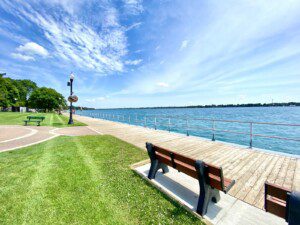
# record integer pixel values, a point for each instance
(15, 136)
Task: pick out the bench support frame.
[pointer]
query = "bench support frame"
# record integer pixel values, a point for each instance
(155, 164)
(207, 193)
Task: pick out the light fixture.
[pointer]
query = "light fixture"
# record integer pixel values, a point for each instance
(72, 76)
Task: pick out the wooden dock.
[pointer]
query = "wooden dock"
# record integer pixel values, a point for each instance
(250, 168)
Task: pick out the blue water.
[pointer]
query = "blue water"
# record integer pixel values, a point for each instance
(175, 121)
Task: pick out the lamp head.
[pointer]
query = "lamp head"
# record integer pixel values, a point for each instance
(72, 76)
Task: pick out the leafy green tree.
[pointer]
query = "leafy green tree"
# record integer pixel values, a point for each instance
(10, 93)
(46, 99)
(25, 87)
(3, 92)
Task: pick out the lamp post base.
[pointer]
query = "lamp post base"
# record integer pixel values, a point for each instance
(70, 121)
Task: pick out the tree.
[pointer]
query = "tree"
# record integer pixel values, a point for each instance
(25, 87)
(46, 99)
(9, 93)
(3, 93)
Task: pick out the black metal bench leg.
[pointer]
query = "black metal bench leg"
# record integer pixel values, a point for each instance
(164, 167)
(215, 195)
(207, 193)
(155, 165)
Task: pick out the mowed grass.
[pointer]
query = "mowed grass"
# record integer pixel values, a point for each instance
(81, 180)
(52, 119)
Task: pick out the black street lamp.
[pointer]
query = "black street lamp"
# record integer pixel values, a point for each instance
(71, 93)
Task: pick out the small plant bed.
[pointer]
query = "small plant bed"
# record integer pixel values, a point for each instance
(49, 119)
(82, 180)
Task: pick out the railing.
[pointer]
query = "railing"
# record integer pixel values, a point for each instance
(152, 122)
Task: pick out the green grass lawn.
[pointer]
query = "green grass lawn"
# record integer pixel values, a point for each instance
(52, 119)
(81, 180)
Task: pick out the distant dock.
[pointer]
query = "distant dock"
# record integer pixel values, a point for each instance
(250, 168)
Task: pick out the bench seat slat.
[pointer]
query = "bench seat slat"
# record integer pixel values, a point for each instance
(277, 191)
(276, 206)
(180, 166)
(213, 169)
(176, 155)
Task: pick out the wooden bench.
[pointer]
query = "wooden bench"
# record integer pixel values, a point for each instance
(36, 119)
(283, 202)
(210, 177)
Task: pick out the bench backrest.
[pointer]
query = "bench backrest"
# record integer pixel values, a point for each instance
(36, 117)
(276, 199)
(186, 165)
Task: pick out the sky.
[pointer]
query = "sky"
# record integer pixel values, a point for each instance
(135, 53)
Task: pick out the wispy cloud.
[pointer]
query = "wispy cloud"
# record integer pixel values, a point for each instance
(32, 48)
(162, 84)
(184, 44)
(100, 50)
(98, 99)
(133, 6)
(22, 57)
(133, 26)
(133, 62)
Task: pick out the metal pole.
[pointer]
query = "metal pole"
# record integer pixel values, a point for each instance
(251, 134)
(155, 123)
(169, 124)
(145, 123)
(71, 104)
(187, 128)
(129, 118)
(213, 127)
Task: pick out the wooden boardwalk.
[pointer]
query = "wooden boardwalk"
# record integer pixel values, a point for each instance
(250, 168)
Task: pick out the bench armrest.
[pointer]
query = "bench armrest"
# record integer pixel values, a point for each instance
(226, 189)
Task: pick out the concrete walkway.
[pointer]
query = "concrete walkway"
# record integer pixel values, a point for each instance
(14, 136)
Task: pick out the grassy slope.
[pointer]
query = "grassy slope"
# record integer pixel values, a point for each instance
(52, 119)
(81, 180)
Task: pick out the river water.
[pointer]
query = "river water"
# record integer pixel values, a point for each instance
(193, 121)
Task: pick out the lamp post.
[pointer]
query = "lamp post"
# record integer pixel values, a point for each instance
(70, 83)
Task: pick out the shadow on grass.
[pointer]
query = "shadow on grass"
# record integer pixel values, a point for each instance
(178, 211)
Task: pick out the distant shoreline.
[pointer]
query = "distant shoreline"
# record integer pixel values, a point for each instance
(287, 104)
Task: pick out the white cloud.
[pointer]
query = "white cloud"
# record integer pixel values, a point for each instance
(76, 41)
(133, 62)
(98, 99)
(162, 84)
(184, 44)
(22, 57)
(133, 26)
(32, 48)
(133, 6)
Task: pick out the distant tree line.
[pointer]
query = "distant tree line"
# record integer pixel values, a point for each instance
(82, 108)
(25, 93)
(222, 106)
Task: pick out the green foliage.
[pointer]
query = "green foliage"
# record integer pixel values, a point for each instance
(9, 92)
(18, 92)
(81, 180)
(46, 99)
(25, 88)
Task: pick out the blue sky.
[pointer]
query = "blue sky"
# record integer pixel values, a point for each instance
(135, 53)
